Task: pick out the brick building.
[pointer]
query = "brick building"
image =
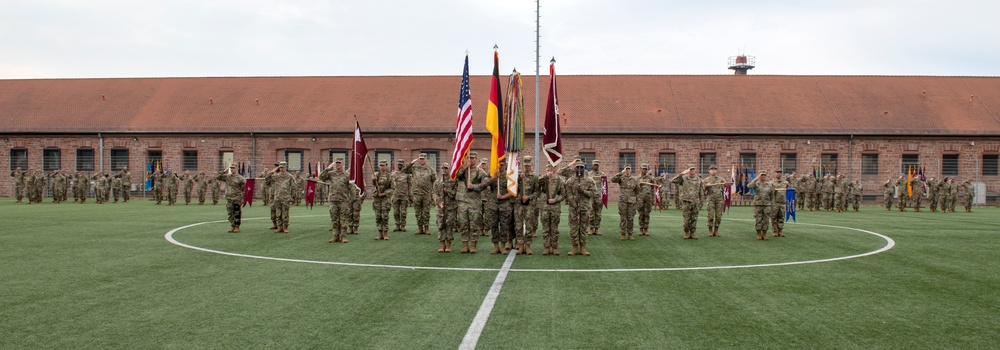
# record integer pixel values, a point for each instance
(865, 127)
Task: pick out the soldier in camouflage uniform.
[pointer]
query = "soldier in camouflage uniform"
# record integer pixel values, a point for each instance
(888, 193)
(83, 185)
(58, 182)
(840, 193)
(102, 184)
(445, 190)
(793, 183)
(691, 190)
(282, 184)
(526, 207)
(779, 185)
(202, 184)
(628, 194)
(597, 207)
(188, 182)
(714, 188)
(808, 184)
(173, 187)
(488, 205)
(644, 200)
(126, 184)
(856, 192)
(400, 196)
(116, 187)
(918, 192)
(298, 188)
(952, 194)
(29, 183)
(382, 188)
(470, 180)
(549, 198)
(421, 188)
(932, 193)
(213, 185)
(503, 232)
(19, 183)
(762, 202)
(969, 193)
(903, 196)
(579, 191)
(268, 188)
(665, 188)
(234, 195)
(357, 198)
(829, 192)
(339, 196)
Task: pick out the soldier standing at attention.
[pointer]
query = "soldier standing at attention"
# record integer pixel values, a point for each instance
(268, 188)
(888, 193)
(101, 182)
(932, 193)
(158, 182)
(840, 194)
(503, 234)
(213, 185)
(234, 195)
(629, 188)
(116, 187)
(83, 185)
(339, 182)
(526, 207)
(550, 197)
(829, 192)
(126, 184)
(762, 201)
(713, 196)
(597, 207)
(579, 190)
(173, 187)
(969, 193)
(809, 190)
(382, 184)
(422, 187)
(489, 201)
(644, 201)
(282, 184)
(690, 189)
(357, 198)
(400, 196)
(470, 182)
(856, 192)
(203, 186)
(780, 185)
(188, 180)
(19, 182)
(901, 192)
(918, 192)
(445, 190)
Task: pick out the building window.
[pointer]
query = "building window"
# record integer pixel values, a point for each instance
(626, 158)
(588, 159)
(84, 159)
(225, 159)
(749, 160)
(910, 162)
(869, 164)
(384, 156)
(189, 159)
(828, 164)
(990, 165)
(342, 153)
(705, 160)
(119, 159)
(666, 164)
(156, 159)
(433, 158)
(51, 160)
(789, 163)
(949, 165)
(294, 159)
(18, 158)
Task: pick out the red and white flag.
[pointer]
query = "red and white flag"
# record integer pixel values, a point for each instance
(463, 126)
(310, 193)
(359, 152)
(248, 192)
(552, 139)
(727, 196)
(657, 197)
(604, 191)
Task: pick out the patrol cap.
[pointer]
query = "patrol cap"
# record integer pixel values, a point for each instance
(400, 161)
(778, 170)
(629, 167)
(383, 162)
(444, 165)
(527, 160)
(484, 161)
(473, 154)
(644, 166)
(763, 173)
(595, 162)
(277, 163)
(713, 167)
(422, 156)
(232, 165)
(690, 166)
(338, 160)
(282, 164)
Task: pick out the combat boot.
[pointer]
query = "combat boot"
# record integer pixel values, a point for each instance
(343, 238)
(759, 236)
(232, 228)
(597, 232)
(693, 236)
(630, 237)
(496, 248)
(781, 234)
(527, 249)
(623, 237)
(583, 249)
(572, 252)
(472, 247)
(277, 228)
(717, 232)
(441, 249)
(555, 250)
(236, 229)
(284, 228)
(510, 245)
(465, 247)
(546, 251)
(687, 235)
(775, 234)
(763, 235)
(503, 248)
(385, 235)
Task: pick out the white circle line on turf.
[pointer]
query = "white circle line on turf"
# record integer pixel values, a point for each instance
(889, 244)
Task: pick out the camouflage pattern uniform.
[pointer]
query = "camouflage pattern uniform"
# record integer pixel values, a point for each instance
(856, 192)
(339, 196)
(82, 186)
(382, 186)
(933, 195)
(952, 194)
(470, 180)
(357, 199)
(19, 183)
(503, 214)
(629, 188)
(779, 200)
(644, 198)
(268, 188)
(445, 191)
(665, 188)
(808, 185)
(158, 178)
(840, 194)
(597, 207)
(829, 192)
(901, 193)
(298, 188)
(174, 184)
(691, 190)
(400, 196)
(234, 196)
(126, 185)
(526, 206)
(550, 188)
(918, 192)
(969, 194)
(202, 187)
(762, 202)
(282, 185)
(714, 188)
(422, 191)
(188, 180)
(213, 184)
(116, 187)
(579, 192)
(101, 186)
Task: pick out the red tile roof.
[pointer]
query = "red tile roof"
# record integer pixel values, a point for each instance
(724, 104)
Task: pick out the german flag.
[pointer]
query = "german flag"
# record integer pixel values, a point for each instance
(495, 121)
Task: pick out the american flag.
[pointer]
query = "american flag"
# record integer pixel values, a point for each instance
(463, 126)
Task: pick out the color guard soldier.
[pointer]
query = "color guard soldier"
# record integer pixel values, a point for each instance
(501, 196)
(550, 197)
(526, 207)
(381, 202)
(470, 181)
(445, 192)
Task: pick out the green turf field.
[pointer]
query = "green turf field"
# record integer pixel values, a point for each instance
(105, 277)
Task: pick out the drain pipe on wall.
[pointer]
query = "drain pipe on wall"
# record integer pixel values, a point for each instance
(100, 145)
(850, 157)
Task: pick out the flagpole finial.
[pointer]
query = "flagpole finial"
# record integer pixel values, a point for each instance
(553, 61)
(466, 52)
(495, 47)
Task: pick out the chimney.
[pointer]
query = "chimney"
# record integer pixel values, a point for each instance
(741, 64)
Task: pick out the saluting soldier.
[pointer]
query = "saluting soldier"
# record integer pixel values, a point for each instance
(400, 195)
(158, 183)
(213, 184)
(234, 195)
(856, 192)
(422, 187)
(381, 204)
(339, 194)
(470, 181)
(809, 191)
(579, 190)
(19, 183)
(526, 207)
(597, 207)
(116, 187)
(174, 184)
(901, 193)
(780, 185)
(126, 184)
(83, 185)
(203, 186)
(629, 188)
(932, 193)
(888, 193)
(952, 194)
(918, 192)
(550, 197)
(644, 200)
(969, 192)
(829, 192)
(282, 185)
(188, 181)
(714, 188)
(445, 190)
(691, 191)
(762, 201)
(840, 193)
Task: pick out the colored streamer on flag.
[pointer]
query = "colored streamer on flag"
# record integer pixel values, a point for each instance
(359, 152)
(515, 130)
(463, 124)
(248, 192)
(494, 119)
(552, 139)
(790, 202)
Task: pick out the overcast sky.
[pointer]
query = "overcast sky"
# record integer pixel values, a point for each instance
(193, 38)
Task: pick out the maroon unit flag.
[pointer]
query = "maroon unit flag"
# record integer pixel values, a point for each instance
(657, 197)
(359, 152)
(727, 196)
(552, 139)
(310, 193)
(248, 193)
(604, 191)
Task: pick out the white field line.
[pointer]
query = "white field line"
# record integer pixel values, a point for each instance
(483, 315)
